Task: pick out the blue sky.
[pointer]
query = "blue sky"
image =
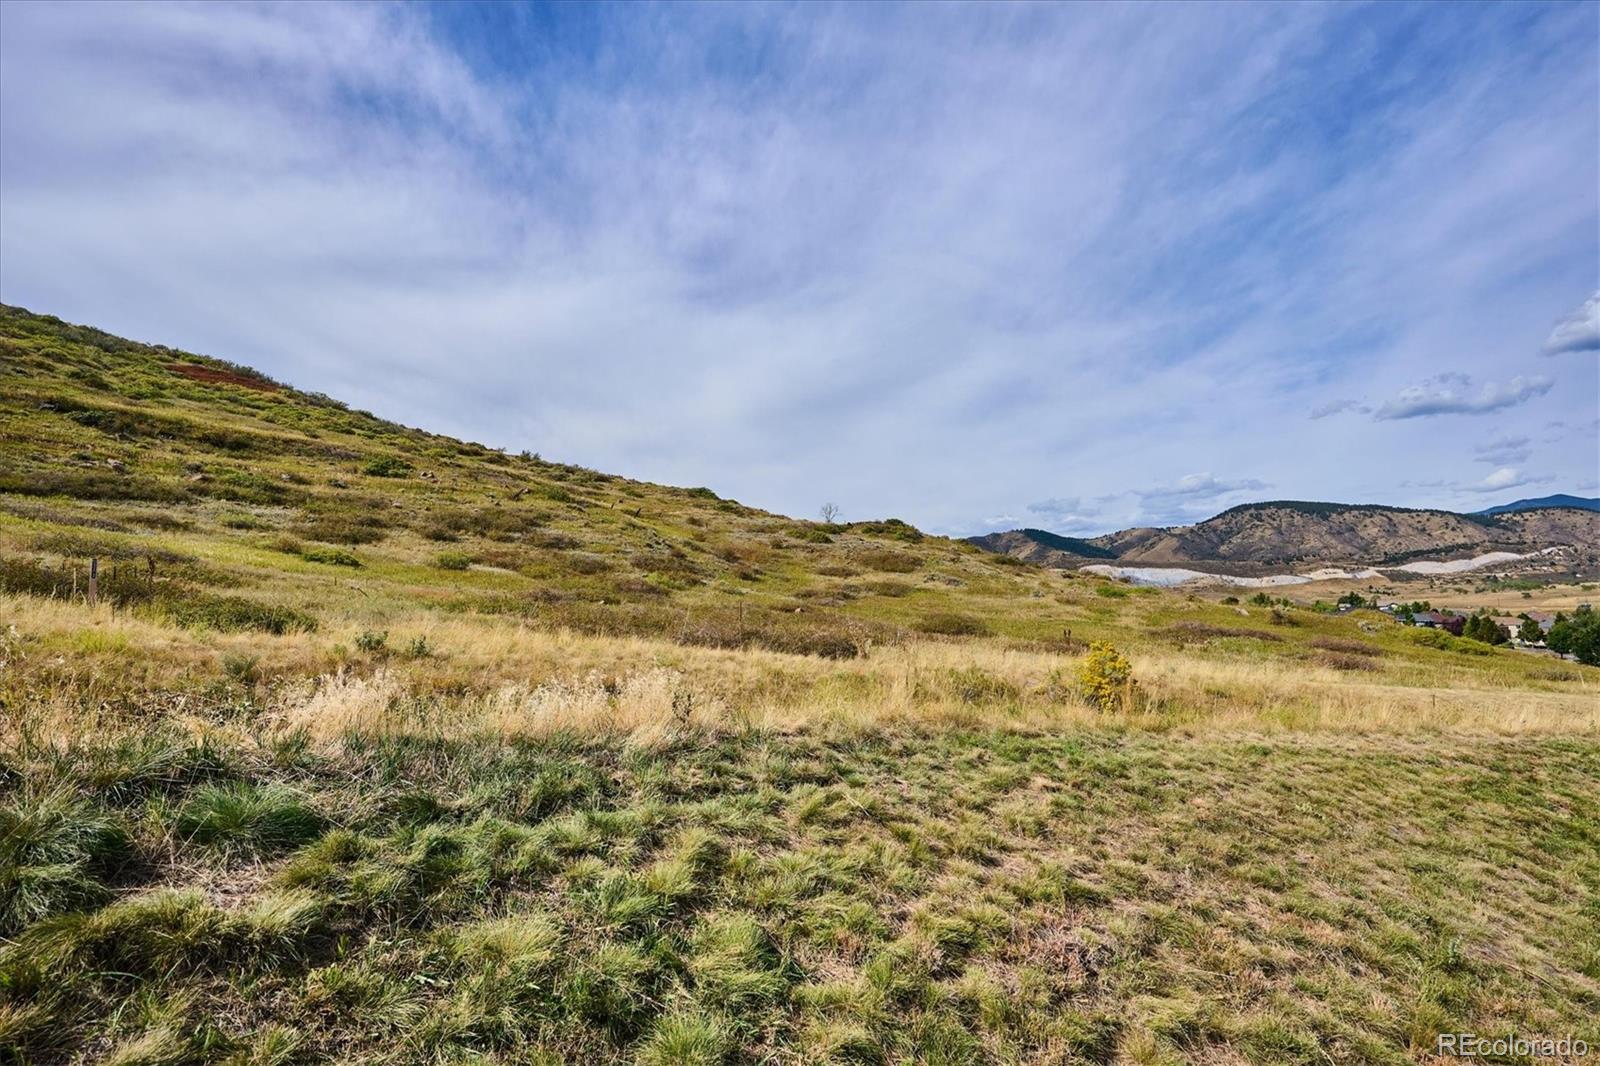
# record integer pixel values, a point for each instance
(1078, 267)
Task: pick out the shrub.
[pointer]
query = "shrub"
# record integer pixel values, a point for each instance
(889, 527)
(953, 624)
(1106, 676)
(373, 642)
(245, 669)
(340, 529)
(1438, 638)
(387, 466)
(888, 560)
(453, 560)
(1111, 592)
(495, 523)
(1352, 647)
(331, 556)
(976, 685)
(118, 584)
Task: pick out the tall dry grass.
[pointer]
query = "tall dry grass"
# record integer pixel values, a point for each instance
(496, 677)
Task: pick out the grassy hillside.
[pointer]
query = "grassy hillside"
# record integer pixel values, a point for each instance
(380, 745)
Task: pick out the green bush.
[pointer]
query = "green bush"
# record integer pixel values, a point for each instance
(889, 527)
(372, 642)
(287, 545)
(331, 556)
(387, 466)
(453, 560)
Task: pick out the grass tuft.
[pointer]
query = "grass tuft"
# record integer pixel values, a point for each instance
(246, 819)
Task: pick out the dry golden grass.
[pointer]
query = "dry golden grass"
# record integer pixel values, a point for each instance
(499, 677)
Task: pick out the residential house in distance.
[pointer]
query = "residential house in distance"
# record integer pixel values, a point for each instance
(1450, 623)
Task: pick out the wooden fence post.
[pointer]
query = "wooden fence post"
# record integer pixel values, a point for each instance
(94, 582)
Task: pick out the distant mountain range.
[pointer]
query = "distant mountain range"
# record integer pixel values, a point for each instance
(1258, 537)
(1559, 500)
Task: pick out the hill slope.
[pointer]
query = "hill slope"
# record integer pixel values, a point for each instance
(128, 445)
(1585, 503)
(1280, 533)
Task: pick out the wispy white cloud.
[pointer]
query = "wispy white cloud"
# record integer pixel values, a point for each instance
(1579, 331)
(1451, 394)
(1201, 486)
(1507, 477)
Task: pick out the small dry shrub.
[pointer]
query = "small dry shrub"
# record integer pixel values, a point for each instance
(1337, 660)
(1349, 647)
(887, 560)
(975, 685)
